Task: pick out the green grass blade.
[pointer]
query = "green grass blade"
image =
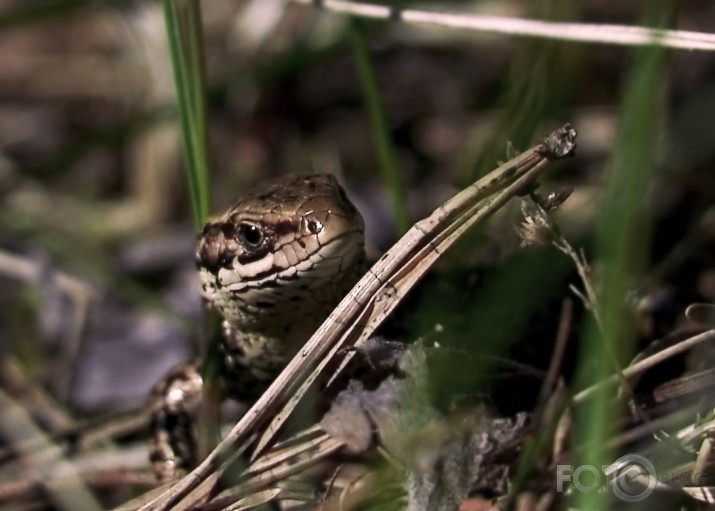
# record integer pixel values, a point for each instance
(183, 25)
(380, 129)
(183, 22)
(623, 244)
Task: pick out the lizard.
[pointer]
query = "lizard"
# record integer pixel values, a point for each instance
(274, 265)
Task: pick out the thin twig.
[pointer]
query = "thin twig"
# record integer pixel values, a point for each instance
(276, 466)
(622, 35)
(537, 214)
(565, 324)
(647, 363)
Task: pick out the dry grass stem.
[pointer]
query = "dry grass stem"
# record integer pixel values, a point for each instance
(647, 363)
(622, 35)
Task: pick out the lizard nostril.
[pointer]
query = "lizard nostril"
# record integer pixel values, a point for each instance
(209, 248)
(209, 256)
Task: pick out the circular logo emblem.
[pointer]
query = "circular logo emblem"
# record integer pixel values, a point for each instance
(632, 477)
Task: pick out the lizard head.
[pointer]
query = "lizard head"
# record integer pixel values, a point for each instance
(285, 244)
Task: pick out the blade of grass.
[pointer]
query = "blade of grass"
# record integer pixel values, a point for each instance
(622, 242)
(197, 92)
(380, 129)
(183, 25)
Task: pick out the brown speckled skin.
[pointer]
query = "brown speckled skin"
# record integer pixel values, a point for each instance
(274, 265)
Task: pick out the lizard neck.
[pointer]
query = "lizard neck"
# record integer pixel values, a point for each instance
(254, 353)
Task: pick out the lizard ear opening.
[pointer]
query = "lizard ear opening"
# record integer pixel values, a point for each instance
(314, 226)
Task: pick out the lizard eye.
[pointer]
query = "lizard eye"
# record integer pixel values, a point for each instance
(250, 236)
